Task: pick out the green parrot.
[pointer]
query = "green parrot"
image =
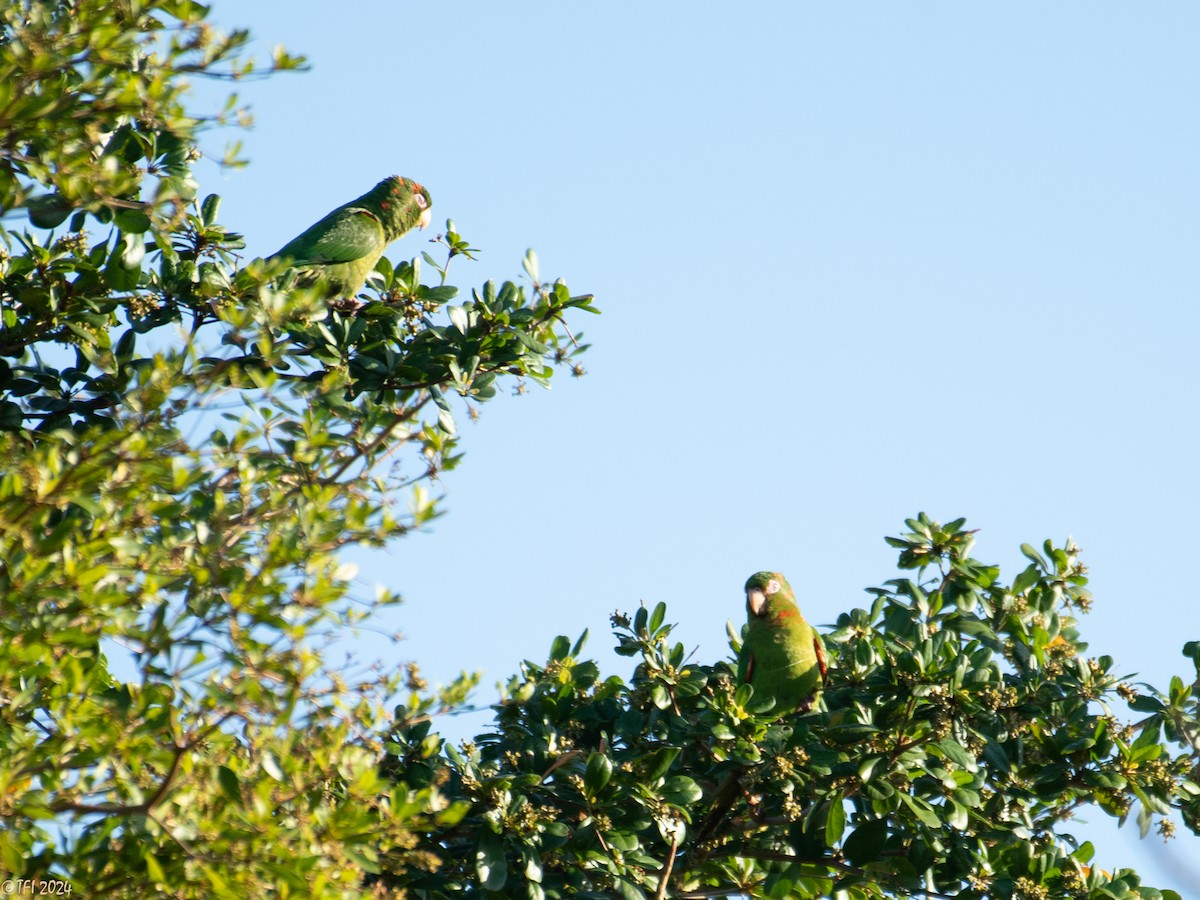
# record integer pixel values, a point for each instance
(341, 250)
(782, 656)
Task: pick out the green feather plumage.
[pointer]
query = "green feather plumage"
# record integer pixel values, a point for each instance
(782, 656)
(342, 248)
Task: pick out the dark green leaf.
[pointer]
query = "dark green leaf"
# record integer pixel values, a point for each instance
(627, 890)
(578, 646)
(47, 210)
(835, 821)
(958, 754)
(209, 209)
(560, 648)
(866, 843)
(228, 781)
(658, 762)
(1027, 579)
(599, 771)
(681, 791)
(491, 866)
(132, 221)
(1146, 703)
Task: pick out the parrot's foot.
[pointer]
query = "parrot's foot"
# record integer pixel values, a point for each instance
(807, 704)
(347, 304)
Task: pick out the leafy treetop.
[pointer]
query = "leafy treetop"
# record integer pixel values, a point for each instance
(189, 439)
(962, 726)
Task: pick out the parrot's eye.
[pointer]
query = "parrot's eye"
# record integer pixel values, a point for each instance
(772, 587)
(420, 198)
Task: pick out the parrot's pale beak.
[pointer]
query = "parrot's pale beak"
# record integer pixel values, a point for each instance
(426, 215)
(756, 600)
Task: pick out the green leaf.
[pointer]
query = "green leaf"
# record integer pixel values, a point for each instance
(153, 869)
(1146, 746)
(659, 761)
(850, 733)
(958, 754)
(439, 294)
(1033, 556)
(922, 810)
(866, 843)
(578, 647)
(530, 264)
(491, 866)
(835, 821)
(10, 416)
(125, 346)
(659, 696)
(228, 781)
(122, 270)
(458, 318)
(209, 209)
(185, 10)
(1085, 853)
(681, 791)
(132, 251)
(1026, 580)
(560, 648)
(47, 210)
(1146, 703)
(599, 771)
(1051, 780)
(743, 694)
(533, 866)
(959, 817)
(535, 346)
(994, 753)
(132, 221)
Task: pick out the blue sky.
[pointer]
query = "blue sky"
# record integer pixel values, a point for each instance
(856, 260)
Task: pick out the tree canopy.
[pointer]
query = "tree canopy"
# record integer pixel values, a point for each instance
(190, 438)
(963, 724)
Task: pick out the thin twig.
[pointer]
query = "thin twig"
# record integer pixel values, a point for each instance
(665, 875)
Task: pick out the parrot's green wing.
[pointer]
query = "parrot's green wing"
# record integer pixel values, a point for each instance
(341, 250)
(344, 235)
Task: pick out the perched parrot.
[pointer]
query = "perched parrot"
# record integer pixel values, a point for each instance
(343, 248)
(781, 657)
